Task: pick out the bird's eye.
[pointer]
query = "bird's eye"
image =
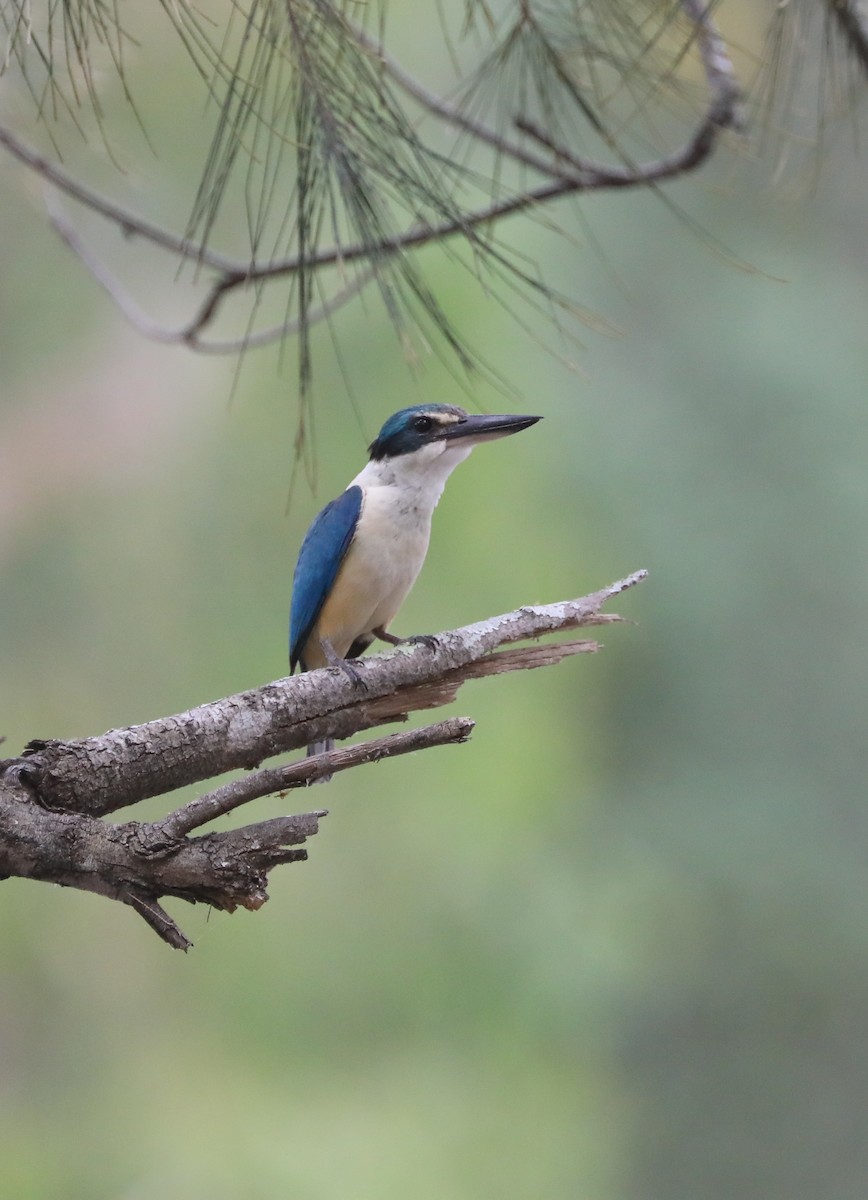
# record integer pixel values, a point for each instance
(422, 424)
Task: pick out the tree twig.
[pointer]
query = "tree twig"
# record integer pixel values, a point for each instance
(130, 223)
(302, 773)
(189, 334)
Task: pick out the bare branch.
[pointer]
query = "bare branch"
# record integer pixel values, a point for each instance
(304, 772)
(189, 334)
(224, 870)
(52, 797)
(129, 223)
(124, 766)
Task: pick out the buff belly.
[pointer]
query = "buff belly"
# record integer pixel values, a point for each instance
(380, 568)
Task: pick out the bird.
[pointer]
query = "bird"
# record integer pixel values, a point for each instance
(364, 551)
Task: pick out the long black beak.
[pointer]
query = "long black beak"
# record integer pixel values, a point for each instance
(485, 428)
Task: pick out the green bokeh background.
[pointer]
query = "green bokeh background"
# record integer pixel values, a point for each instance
(616, 948)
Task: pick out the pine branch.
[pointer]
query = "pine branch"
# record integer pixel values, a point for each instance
(361, 163)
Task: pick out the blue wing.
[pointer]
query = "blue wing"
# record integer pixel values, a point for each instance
(322, 552)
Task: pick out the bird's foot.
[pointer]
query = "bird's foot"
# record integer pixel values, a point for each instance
(349, 668)
(353, 673)
(424, 639)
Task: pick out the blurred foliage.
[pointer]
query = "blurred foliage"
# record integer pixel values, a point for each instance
(322, 162)
(614, 948)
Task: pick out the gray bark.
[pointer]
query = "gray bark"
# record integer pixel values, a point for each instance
(54, 795)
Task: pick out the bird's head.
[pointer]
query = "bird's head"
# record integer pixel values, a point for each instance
(426, 432)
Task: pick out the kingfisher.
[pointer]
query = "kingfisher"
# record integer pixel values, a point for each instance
(362, 554)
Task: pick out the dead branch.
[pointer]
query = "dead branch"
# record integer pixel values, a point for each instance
(302, 773)
(53, 796)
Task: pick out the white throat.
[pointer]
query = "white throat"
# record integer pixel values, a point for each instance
(420, 476)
